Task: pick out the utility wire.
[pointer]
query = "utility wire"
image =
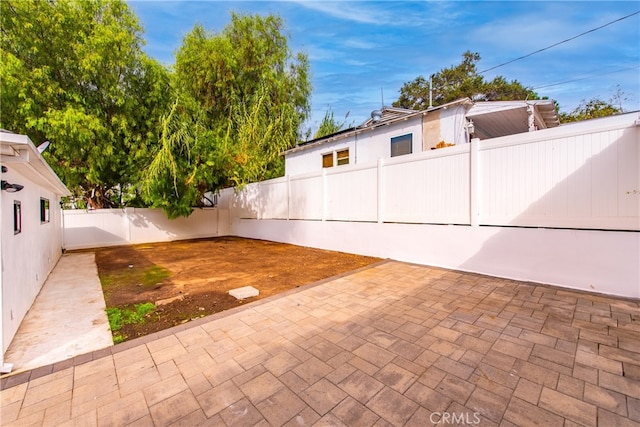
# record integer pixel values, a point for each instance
(585, 77)
(559, 43)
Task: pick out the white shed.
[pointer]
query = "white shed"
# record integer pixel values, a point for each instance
(31, 220)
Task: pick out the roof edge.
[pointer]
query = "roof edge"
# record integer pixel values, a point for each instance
(35, 161)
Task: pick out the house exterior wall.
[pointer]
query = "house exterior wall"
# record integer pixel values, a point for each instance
(452, 125)
(369, 145)
(431, 134)
(27, 257)
(364, 147)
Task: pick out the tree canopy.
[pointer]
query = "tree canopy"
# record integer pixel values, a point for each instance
(459, 81)
(592, 109)
(243, 95)
(74, 73)
(121, 124)
(329, 125)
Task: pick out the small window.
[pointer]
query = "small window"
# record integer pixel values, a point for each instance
(342, 157)
(327, 160)
(401, 145)
(44, 210)
(17, 217)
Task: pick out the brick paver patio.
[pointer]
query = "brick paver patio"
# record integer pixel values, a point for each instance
(395, 344)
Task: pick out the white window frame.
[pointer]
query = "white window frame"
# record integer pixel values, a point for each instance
(334, 157)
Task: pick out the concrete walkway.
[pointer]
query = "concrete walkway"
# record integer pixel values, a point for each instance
(67, 318)
(394, 344)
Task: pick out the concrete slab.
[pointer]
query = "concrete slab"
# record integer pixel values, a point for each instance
(244, 292)
(67, 319)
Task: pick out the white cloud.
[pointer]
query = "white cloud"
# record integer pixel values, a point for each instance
(358, 12)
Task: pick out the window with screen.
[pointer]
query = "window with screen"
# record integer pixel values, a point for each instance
(44, 211)
(401, 145)
(342, 157)
(335, 158)
(17, 217)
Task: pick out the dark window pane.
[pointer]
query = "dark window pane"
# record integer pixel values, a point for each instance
(44, 210)
(17, 217)
(327, 160)
(401, 145)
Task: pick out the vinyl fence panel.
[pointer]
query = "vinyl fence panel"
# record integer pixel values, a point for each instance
(352, 193)
(431, 188)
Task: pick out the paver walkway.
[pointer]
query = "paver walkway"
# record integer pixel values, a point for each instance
(395, 344)
(67, 318)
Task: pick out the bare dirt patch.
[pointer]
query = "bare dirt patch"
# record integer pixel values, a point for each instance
(191, 279)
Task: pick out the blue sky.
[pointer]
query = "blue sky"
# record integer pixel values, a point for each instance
(360, 52)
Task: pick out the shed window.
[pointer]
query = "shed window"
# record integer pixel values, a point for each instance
(343, 157)
(17, 217)
(327, 160)
(337, 158)
(401, 145)
(44, 210)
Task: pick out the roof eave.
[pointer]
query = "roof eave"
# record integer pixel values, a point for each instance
(16, 148)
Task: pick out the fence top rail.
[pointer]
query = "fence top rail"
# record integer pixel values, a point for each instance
(126, 210)
(273, 181)
(303, 176)
(351, 168)
(621, 121)
(432, 154)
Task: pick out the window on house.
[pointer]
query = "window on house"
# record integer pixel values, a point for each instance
(327, 160)
(401, 145)
(17, 217)
(342, 157)
(44, 210)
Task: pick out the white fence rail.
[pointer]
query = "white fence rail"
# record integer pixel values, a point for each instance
(585, 176)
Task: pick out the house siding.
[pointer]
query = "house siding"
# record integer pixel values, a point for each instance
(364, 147)
(29, 256)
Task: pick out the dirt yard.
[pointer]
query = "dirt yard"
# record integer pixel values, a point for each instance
(191, 279)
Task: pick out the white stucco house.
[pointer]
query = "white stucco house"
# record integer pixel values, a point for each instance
(392, 132)
(31, 220)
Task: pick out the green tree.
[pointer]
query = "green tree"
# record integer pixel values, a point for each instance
(460, 81)
(329, 125)
(251, 52)
(591, 109)
(74, 73)
(243, 97)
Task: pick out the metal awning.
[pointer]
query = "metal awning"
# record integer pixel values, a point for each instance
(493, 119)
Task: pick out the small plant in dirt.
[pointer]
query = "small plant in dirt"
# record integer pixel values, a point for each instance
(149, 277)
(118, 317)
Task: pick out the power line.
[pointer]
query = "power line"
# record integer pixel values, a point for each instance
(559, 43)
(585, 77)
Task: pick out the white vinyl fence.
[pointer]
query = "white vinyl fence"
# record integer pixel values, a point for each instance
(111, 227)
(558, 206)
(583, 176)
